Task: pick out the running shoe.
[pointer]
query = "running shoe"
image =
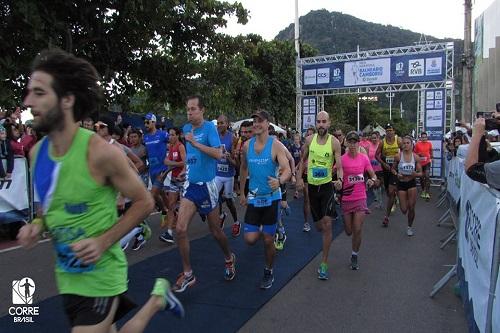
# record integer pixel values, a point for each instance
(409, 231)
(279, 241)
(222, 218)
(125, 246)
(423, 195)
(171, 303)
(385, 223)
(203, 217)
(146, 230)
(267, 279)
(183, 282)
(164, 221)
(354, 263)
(307, 227)
(427, 196)
(235, 229)
(139, 242)
(393, 209)
(323, 271)
(230, 270)
(167, 238)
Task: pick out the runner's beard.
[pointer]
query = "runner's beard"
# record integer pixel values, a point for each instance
(51, 121)
(322, 131)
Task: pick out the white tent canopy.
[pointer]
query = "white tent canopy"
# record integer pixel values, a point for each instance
(236, 126)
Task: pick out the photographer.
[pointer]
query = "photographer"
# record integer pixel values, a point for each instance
(476, 167)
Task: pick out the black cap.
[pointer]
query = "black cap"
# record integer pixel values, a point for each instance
(388, 126)
(352, 135)
(261, 114)
(108, 122)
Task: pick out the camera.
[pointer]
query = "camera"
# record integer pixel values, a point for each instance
(492, 124)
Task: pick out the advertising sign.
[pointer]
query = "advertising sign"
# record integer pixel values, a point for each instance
(425, 67)
(309, 111)
(434, 126)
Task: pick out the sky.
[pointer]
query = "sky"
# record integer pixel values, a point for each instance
(438, 18)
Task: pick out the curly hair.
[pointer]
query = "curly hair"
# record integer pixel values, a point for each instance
(72, 76)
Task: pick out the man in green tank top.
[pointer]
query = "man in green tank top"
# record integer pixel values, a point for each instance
(77, 175)
(322, 151)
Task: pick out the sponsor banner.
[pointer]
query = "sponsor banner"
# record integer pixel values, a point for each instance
(434, 118)
(434, 126)
(309, 109)
(454, 177)
(367, 72)
(14, 193)
(424, 67)
(478, 215)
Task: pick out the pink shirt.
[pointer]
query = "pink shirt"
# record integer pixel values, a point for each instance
(354, 180)
(372, 151)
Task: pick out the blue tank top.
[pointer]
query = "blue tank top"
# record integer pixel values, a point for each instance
(200, 166)
(224, 168)
(156, 146)
(260, 166)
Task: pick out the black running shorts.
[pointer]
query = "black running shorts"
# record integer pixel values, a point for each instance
(88, 311)
(262, 215)
(390, 179)
(321, 200)
(405, 186)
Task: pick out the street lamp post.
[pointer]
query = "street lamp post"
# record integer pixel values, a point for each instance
(390, 96)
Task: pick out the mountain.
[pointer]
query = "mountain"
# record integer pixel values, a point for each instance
(334, 32)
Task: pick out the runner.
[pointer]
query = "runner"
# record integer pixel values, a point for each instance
(423, 148)
(203, 150)
(224, 174)
(263, 157)
(135, 138)
(175, 160)
(246, 130)
(156, 145)
(322, 151)
(354, 205)
(296, 149)
(407, 168)
(372, 147)
(80, 212)
(385, 155)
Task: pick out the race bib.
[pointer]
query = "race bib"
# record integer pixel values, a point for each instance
(175, 155)
(262, 202)
(355, 179)
(407, 170)
(389, 160)
(222, 167)
(68, 262)
(423, 159)
(318, 172)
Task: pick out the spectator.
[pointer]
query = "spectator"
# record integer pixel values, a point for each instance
(478, 170)
(20, 145)
(88, 123)
(13, 116)
(7, 154)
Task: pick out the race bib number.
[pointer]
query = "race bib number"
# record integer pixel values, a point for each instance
(374, 162)
(222, 168)
(423, 159)
(262, 202)
(68, 262)
(319, 172)
(407, 170)
(389, 160)
(175, 155)
(355, 179)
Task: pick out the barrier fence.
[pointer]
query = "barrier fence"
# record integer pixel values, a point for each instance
(15, 193)
(478, 252)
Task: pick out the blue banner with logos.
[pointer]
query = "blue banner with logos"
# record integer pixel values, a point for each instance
(309, 110)
(435, 106)
(425, 67)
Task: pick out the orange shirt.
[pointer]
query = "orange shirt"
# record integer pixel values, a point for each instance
(424, 150)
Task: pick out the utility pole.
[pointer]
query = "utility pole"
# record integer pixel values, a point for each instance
(298, 114)
(468, 64)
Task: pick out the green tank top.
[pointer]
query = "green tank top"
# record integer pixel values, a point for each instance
(80, 208)
(321, 160)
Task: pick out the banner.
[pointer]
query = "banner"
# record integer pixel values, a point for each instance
(415, 68)
(14, 194)
(478, 214)
(435, 105)
(309, 111)
(454, 177)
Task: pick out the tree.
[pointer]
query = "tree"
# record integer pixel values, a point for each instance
(135, 45)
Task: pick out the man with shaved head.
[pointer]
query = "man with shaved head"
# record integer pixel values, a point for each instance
(322, 151)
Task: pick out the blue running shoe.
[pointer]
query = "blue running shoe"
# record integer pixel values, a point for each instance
(267, 279)
(323, 271)
(171, 303)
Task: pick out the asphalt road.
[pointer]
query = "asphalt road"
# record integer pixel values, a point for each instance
(390, 292)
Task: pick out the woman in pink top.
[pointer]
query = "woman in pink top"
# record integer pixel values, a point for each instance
(354, 205)
(372, 147)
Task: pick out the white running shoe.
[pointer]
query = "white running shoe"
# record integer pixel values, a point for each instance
(409, 232)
